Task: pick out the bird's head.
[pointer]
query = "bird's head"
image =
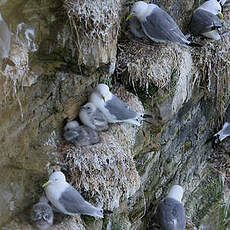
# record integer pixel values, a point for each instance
(139, 10)
(88, 108)
(55, 178)
(71, 125)
(104, 92)
(214, 7)
(176, 192)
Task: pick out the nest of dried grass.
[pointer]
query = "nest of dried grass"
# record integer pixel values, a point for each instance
(94, 24)
(106, 170)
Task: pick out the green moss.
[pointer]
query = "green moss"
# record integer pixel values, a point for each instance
(206, 197)
(173, 81)
(187, 146)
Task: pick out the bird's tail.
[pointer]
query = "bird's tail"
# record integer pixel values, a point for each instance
(108, 212)
(146, 115)
(224, 132)
(193, 44)
(222, 135)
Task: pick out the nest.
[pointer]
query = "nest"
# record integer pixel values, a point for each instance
(95, 24)
(145, 65)
(91, 167)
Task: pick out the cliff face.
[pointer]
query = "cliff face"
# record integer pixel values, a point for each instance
(78, 44)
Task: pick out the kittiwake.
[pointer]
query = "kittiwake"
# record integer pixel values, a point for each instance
(80, 134)
(225, 131)
(42, 214)
(92, 117)
(157, 24)
(113, 108)
(67, 199)
(170, 212)
(205, 20)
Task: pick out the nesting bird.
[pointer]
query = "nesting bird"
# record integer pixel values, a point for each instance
(80, 134)
(225, 131)
(170, 212)
(67, 199)
(113, 108)
(205, 20)
(157, 24)
(42, 214)
(5, 37)
(92, 117)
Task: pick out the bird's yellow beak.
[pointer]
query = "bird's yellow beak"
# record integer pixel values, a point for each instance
(103, 98)
(130, 16)
(46, 184)
(220, 16)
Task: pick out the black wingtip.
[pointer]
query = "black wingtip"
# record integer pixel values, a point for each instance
(147, 116)
(192, 44)
(107, 212)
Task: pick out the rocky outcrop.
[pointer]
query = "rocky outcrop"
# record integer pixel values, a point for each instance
(76, 46)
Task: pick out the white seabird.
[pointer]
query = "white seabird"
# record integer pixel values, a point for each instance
(42, 214)
(205, 20)
(225, 131)
(67, 199)
(157, 24)
(80, 134)
(113, 108)
(170, 212)
(92, 117)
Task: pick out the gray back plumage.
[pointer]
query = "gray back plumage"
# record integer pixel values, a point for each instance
(92, 134)
(74, 203)
(99, 120)
(71, 134)
(168, 211)
(120, 109)
(81, 135)
(161, 26)
(204, 21)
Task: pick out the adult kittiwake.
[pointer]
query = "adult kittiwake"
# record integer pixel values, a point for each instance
(80, 134)
(67, 199)
(205, 20)
(92, 117)
(170, 212)
(113, 108)
(157, 24)
(42, 214)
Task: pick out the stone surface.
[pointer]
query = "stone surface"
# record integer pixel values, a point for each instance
(132, 168)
